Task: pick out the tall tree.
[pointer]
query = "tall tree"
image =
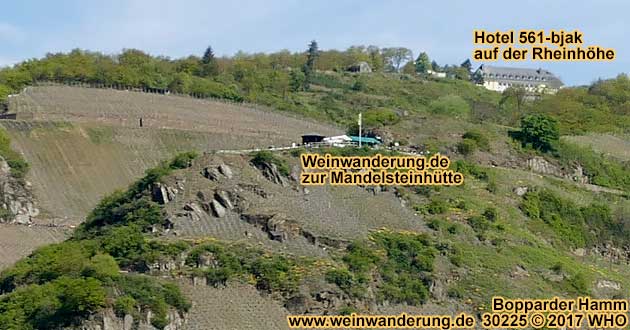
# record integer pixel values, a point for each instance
(435, 66)
(208, 56)
(376, 58)
(311, 57)
(518, 94)
(397, 56)
(209, 66)
(467, 65)
(423, 63)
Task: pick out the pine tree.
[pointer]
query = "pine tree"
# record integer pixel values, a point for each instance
(311, 57)
(208, 56)
(209, 65)
(467, 65)
(436, 67)
(423, 63)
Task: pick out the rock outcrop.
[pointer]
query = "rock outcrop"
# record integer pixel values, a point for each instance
(18, 203)
(271, 172)
(542, 166)
(108, 320)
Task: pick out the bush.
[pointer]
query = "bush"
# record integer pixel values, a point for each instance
(540, 131)
(183, 160)
(351, 284)
(467, 147)
(587, 225)
(274, 274)
(380, 117)
(479, 223)
(491, 214)
(19, 166)
(436, 206)
(600, 170)
(124, 305)
(476, 171)
(406, 269)
(481, 140)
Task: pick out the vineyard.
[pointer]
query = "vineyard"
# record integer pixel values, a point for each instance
(126, 108)
(17, 242)
(234, 305)
(84, 143)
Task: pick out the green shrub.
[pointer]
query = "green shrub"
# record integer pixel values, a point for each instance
(434, 207)
(591, 224)
(351, 283)
(469, 168)
(435, 224)
(380, 117)
(183, 160)
(124, 305)
(467, 147)
(52, 305)
(406, 269)
(540, 131)
(480, 139)
(360, 258)
(600, 170)
(479, 223)
(453, 229)
(275, 274)
(491, 214)
(492, 186)
(348, 310)
(265, 158)
(6, 214)
(19, 166)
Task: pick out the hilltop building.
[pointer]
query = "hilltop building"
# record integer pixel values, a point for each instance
(360, 67)
(312, 138)
(500, 78)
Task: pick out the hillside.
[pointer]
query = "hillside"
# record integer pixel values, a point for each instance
(80, 151)
(266, 220)
(89, 149)
(202, 239)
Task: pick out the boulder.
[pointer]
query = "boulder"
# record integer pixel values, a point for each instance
(160, 194)
(606, 284)
(217, 209)
(223, 197)
(520, 191)
(211, 173)
(194, 207)
(225, 170)
(271, 172)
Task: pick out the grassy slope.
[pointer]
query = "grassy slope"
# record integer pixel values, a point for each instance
(474, 268)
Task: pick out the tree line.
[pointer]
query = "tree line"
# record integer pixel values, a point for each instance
(232, 77)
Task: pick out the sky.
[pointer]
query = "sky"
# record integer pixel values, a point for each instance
(443, 29)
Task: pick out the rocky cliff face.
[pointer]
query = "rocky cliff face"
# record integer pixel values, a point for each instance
(542, 166)
(108, 320)
(18, 203)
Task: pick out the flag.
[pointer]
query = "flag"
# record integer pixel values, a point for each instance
(359, 119)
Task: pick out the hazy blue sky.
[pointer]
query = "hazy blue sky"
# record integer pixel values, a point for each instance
(443, 29)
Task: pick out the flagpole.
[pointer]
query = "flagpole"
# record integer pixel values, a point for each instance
(360, 129)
